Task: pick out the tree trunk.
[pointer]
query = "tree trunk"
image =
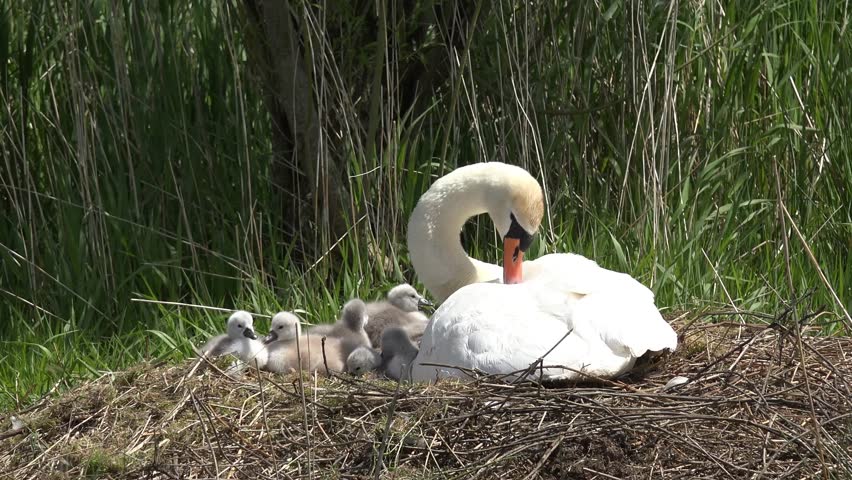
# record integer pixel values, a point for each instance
(325, 70)
(308, 193)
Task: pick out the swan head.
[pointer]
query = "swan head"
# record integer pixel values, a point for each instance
(285, 327)
(511, 197)
(406, 298)
(515, 203)
(241, 325)
(355, 314)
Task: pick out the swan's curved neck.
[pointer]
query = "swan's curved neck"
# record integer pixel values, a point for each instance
(434, 245)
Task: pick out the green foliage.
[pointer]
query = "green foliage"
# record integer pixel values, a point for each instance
(136, 163)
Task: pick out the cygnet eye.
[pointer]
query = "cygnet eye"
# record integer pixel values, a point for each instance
(239, 325)
(280, 327)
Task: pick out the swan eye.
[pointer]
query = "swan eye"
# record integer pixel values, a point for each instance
(239, 325)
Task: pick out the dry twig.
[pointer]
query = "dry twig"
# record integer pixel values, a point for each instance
(746, 413)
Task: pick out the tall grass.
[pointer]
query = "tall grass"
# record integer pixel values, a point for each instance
(137, 163)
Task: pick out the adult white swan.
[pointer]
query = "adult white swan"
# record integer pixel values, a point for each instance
(505, 327)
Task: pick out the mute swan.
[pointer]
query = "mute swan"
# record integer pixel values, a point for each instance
(510, 195)
(240, 340)
(285, 344)
(502, 328)
(363, 360)
(398, 354)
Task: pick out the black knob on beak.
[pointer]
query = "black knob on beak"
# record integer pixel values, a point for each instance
(517, 231)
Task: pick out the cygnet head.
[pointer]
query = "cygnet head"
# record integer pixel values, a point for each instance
(285, 327)
(354, 314)
(241, 325)
(406, 298)
(362, 360)
(396, 342)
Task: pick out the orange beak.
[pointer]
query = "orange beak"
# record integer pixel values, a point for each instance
(512, 259)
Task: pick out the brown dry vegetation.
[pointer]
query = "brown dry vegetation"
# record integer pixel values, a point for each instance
(760, 404)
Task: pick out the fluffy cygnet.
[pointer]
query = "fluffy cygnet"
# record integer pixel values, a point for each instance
(406, 298)
(398, 353)
(241, 340)
(363, 360)
(286, 346)
(285, 327)
(400, 310)
(353, 319)
(349, 329)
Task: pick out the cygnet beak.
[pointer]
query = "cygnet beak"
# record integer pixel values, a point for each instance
(423, 302)
(270, 337)
(249, 332)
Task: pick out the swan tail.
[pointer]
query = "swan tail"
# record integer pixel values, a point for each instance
(649, 331)
(627, 323)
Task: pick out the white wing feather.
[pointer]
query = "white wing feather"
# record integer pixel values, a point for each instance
(500, 329)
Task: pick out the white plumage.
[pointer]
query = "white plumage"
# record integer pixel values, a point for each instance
(500, 329)
(504, 328)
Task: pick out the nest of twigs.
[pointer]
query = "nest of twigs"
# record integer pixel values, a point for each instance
(761, 401)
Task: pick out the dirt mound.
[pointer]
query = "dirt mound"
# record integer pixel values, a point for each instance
(757, 402)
